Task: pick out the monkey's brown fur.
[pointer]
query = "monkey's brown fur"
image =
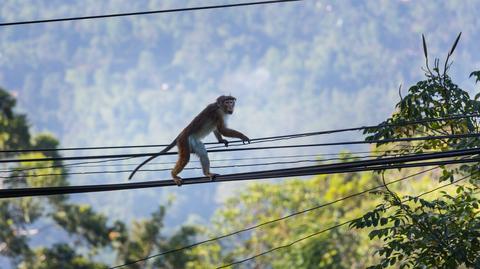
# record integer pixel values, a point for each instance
(212, 118)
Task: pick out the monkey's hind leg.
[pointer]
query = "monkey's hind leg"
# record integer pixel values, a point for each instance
(183, 158)
(206, 167)
(199, 149)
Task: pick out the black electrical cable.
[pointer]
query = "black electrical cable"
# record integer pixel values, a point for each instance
(188, 168)
(332, 227)
(97, 163)
(273, 220)
(135, 155)
(21, 192)
(354, 166)
(213, 160)
(261, 139)
(144, 12)
(23, 169)
(351, 155)
(5, 178)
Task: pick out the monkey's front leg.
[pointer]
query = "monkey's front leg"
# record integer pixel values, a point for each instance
(220, 138)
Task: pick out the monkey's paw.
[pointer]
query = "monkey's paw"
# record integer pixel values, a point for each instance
(212, 176)
(178, 181)
(245, 140)
(225, 142)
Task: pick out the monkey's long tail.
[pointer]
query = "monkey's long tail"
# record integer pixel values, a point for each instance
(165, 150)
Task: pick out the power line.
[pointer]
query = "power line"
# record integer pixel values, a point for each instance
(98, 163)
(62, 165)
(255, 140)
(332, 227)
(273, 220)
(165, 169)
(6, 178)
(144, 12)
(353, 156)
(218, 160)
(168, 169)
(354, 166)
(191, 168)
(136, 155)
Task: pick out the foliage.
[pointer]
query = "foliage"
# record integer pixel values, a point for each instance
(145, 239)
(260, 203)
(435, 97)
(59, 256)
(90, 232)
(475, 74)
(13, 127)
(443, 232)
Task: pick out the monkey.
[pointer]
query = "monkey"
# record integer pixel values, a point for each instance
(211, 119)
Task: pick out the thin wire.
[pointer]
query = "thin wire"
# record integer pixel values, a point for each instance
(370, 141)
(164, 169)
(7, 178)
(61, 165)
(94, 163)
(215, 160)
(353, 166)
(331, 228)
(143, 12)
(273, 220)
(385, 153)
(136, 155)
(256, 140)
(190, 168)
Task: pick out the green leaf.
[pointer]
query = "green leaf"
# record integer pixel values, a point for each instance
(477, 75)
(393, 261)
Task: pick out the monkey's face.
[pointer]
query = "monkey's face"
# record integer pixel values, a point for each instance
(228, 106)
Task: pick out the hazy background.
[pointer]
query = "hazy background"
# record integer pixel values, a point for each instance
(294, 67)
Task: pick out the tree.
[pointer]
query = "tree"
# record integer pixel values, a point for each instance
(262, 202)
(20, 217)
(145, 239)
(89, 231)
(441, 232)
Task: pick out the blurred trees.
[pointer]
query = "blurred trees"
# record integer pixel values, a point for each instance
(406, 231)
(262, 202)
(442, 232)
(81, 233)
(438, 232)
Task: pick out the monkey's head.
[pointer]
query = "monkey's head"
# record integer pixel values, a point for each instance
(226, 103)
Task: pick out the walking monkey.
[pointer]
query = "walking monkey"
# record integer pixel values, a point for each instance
(212, 118)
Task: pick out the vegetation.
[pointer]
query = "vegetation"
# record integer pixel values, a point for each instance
(402, 229)
(436, 231)
(442, 232)
(83, 234)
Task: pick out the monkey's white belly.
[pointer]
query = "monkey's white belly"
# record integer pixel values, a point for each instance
(195, 140)
(206, 130)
